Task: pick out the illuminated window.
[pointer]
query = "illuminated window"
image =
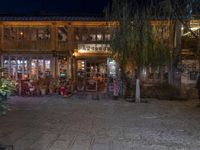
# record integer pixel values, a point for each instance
(107, 37)
(62, 33)
(84, 38)
(26, 33)
(40, 67)
(81, 65)
(13, 70)
(34, 67)
(99, 37)
(92, 37)
(47, 65)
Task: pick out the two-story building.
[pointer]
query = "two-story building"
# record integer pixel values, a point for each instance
(72, 47)
(32, 47)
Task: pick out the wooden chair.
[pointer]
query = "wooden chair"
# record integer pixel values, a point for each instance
(31, 89)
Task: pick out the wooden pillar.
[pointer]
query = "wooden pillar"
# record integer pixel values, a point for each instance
(51, 67)
(29, 67)
(2, 64)
(177, 48)
(54, 48)
(44, 68)
(37, 70)
(16, 75)
(177, 39)
(22, 68)
(69, 68)
(74, 69)
(54, 64)
(1, 45)
(9, 66)
(53, 36)
(1, 37)
(1, 61)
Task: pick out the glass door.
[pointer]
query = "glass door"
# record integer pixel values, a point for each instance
(97, 71)
(13, 69)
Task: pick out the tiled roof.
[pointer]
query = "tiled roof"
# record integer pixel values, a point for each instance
(49, 18)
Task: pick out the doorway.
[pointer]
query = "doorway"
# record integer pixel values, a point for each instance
(92, 74)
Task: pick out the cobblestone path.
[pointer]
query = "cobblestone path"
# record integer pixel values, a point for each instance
(56, 123)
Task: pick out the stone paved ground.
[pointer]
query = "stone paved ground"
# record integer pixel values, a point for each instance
(56, 123)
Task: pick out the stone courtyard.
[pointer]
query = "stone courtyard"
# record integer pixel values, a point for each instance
(80, 123)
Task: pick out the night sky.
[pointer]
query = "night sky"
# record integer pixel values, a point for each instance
(77, 7)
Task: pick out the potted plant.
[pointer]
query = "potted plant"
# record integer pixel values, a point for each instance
(52, 86)
(43, 86)
(6, 87)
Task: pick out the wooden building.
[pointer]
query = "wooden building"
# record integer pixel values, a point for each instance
(76, 48)
(72, 47)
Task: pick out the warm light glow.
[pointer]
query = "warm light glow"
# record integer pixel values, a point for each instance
(93, 48)
(75, 54)
(25, 76)
(193, 29)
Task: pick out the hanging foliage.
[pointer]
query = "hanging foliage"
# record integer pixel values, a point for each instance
(134, 40)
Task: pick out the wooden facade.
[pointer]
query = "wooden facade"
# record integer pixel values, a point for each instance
(31, 47)
(36, 48)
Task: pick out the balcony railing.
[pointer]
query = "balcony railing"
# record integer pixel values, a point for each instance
(188, 43)
(62, 45)
(27, 45)
(34, 45)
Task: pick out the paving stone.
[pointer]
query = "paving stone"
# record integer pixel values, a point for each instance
(56, 123)
(44, 142)
(60, 145)
(26, 141)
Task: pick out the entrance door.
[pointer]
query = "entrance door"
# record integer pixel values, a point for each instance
(96, 75)
(92, 75)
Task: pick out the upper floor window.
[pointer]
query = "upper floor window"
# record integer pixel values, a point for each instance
(91, 34)
(62, 33)
(84, 37)
(27, 33)
(92, 37)
(107, 37)
(99, 37)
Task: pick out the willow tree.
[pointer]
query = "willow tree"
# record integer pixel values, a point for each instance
(180, 12)
(134, 39)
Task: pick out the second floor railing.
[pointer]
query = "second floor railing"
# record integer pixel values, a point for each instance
(189, 43)
(27, 45)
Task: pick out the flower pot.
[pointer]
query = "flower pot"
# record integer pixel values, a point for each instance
(51, 91)
(43, 91)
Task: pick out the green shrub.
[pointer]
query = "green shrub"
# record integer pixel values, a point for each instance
(6, 87)
(163, 92)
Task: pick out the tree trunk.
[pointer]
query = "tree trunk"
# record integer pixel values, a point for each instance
(137, 86)
(137, 91)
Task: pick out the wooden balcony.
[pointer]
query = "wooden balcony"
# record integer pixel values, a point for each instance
(189, 43)
(62, 46)
(27, 45)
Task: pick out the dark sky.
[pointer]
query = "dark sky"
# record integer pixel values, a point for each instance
(52, 6)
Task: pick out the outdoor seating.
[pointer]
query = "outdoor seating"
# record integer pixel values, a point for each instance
(31, 89)
(27, 89)
(91, 85)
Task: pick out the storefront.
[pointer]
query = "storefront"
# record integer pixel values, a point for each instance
(20, 67)
(93, 73)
